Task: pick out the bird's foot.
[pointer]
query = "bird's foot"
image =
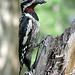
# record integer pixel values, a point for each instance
(43, 40)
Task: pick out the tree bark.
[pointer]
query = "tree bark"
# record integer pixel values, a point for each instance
(56, 55)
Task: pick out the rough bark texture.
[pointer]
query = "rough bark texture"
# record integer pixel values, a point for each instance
(56, 55)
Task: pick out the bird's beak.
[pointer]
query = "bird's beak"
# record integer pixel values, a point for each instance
(40, 1)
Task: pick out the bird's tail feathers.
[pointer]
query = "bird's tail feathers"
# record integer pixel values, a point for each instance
(20, 69)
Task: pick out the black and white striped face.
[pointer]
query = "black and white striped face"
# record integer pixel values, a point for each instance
(27, 3)
(30, 3)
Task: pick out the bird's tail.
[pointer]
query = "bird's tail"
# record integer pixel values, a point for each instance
(20, 69)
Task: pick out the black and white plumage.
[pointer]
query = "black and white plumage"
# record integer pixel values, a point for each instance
(29, 29)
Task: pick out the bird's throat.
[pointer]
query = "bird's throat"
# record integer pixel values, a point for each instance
(29, 9)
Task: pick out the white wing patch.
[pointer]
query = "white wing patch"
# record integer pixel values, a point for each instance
(29, 27)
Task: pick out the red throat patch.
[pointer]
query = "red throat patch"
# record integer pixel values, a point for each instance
(29, 9)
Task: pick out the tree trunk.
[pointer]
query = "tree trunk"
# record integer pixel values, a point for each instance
(56, 55)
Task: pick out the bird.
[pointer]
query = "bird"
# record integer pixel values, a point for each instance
(29, 31)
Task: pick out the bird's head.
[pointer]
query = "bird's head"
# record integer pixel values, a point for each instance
(29, 5)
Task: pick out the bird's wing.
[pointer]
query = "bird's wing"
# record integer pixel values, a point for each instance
(25, 29)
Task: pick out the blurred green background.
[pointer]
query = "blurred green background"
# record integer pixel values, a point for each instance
(54, 16)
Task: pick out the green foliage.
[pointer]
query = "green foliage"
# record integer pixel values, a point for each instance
(54, 16)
